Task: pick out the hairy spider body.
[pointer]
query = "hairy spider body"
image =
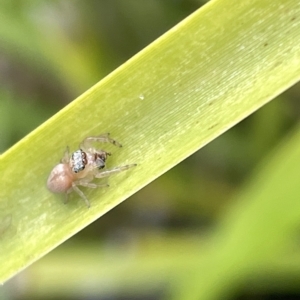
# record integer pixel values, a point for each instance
(82, 167)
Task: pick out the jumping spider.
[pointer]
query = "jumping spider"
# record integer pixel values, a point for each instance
(82, 167)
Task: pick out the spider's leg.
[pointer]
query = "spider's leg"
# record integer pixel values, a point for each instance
(66, 199)
(81, 194)
(91, 184)
(65, 159)
(103, 138)
(112, 171)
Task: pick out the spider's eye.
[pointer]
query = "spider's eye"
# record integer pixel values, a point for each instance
(78, 161)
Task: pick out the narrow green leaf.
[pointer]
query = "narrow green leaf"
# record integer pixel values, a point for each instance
(192, 84)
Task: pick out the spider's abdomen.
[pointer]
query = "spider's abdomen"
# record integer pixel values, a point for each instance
(60, 179)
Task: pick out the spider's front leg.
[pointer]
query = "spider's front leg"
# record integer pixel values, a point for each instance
(103, 138)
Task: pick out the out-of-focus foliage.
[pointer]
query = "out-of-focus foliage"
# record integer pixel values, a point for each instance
(132, 250)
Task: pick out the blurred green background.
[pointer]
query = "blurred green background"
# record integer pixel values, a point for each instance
(48, 51)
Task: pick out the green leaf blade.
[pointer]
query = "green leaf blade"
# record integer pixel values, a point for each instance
(192, 84)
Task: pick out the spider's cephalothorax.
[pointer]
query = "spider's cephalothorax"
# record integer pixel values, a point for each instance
(82, 167)
(78, 161)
